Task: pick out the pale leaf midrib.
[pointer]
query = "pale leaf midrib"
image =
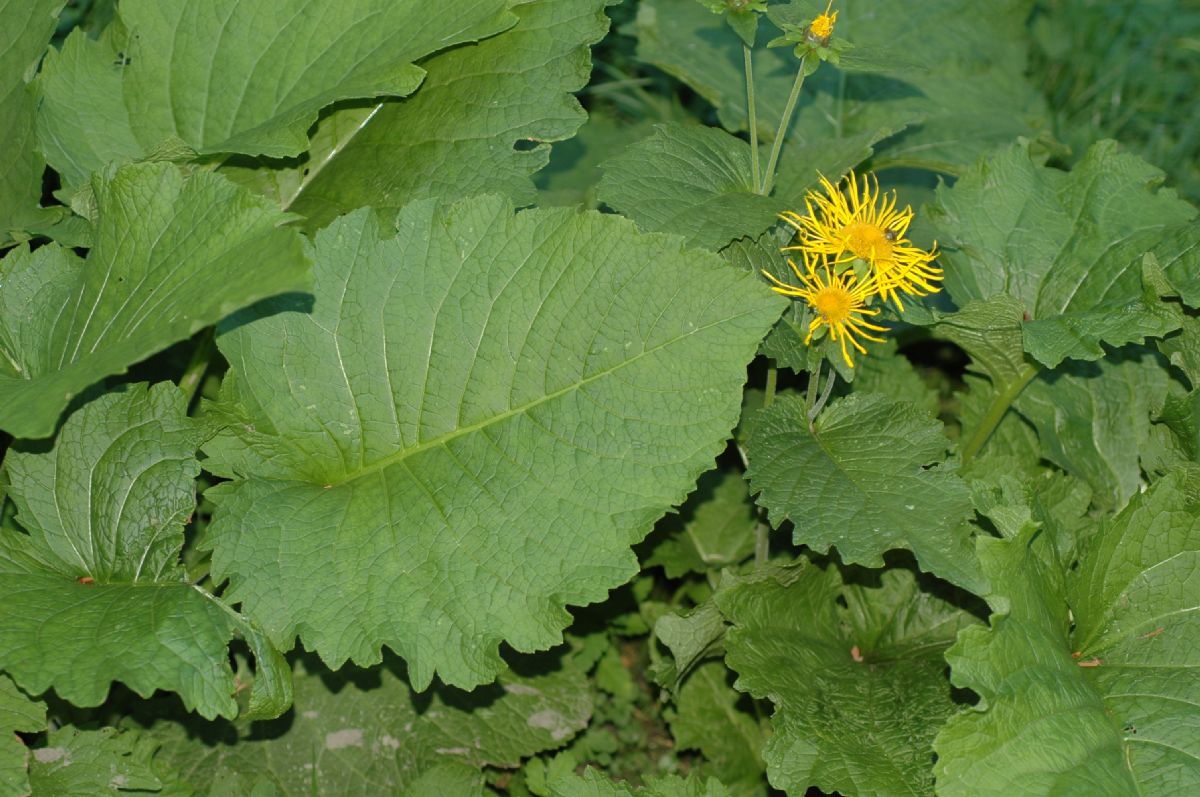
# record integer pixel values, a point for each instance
(441, 440)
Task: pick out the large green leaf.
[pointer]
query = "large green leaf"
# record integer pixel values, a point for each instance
(237, 76)
(689, 180)
(463, 133)
(93, 592)
(481, 415)
(855, 671)
(951, 70)
(28, 25)
(1069, 247)
(866, 477)
(17, 713)
(1093, 419)
(1088, 679)
(173, 254)
(366, 732)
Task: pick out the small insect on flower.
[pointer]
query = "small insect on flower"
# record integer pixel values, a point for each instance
(839, 301)
(854, 220)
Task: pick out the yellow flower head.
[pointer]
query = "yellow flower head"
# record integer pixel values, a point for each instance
(822, 26)
(856, 220)
(839, 301)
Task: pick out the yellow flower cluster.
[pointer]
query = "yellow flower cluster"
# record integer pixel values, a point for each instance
(822, 26)
(854, 234)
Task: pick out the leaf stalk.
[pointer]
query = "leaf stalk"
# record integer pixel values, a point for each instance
(996, 410)
(785, 121)
(752, 113)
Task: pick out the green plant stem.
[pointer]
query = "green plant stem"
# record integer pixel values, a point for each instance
(189, 383)
(785, 122)
(752, 112)
(995, 412)
(772, 381)
(762, 543)
(816, 408)
(810, 396)
(762, 529)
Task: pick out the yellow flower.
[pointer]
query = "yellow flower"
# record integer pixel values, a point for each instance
(822, 26)
(839, 301)
(850, 221)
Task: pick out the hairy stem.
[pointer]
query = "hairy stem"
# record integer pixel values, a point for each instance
(752, 112)
(816, 408)
(785, 122)
(772, 381)
(814, 379)
(762, 542)
(995, 412)
(189, 383)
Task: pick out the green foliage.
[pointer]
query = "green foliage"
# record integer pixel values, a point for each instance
(393, 399)
(365, 731)
(28, 25)
(172, 254)
(692, 181)
(535, 360)
(861, 479)
(278, 66)
(17, 713)
(93, 590)
(1104, 702)
(858, 687)
(1070, 248)
(459, 135)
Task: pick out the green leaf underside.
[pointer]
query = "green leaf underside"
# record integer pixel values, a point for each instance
(365, 732)
(17, 713)
(172, 255)
(1108, 707)
(400, 452)
(455, 137)
(692, 181)
(1069, 247)
(236, 76)
(593, 784)
(718, 530)
(868, 479)
(28, 25)
(859, 690)
(107, 505)
(1093, 419)
(958, 80)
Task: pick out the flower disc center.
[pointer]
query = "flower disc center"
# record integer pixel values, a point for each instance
(867, 241)
(833, 303)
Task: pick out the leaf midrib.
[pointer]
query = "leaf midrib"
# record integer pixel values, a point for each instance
(444, 439)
